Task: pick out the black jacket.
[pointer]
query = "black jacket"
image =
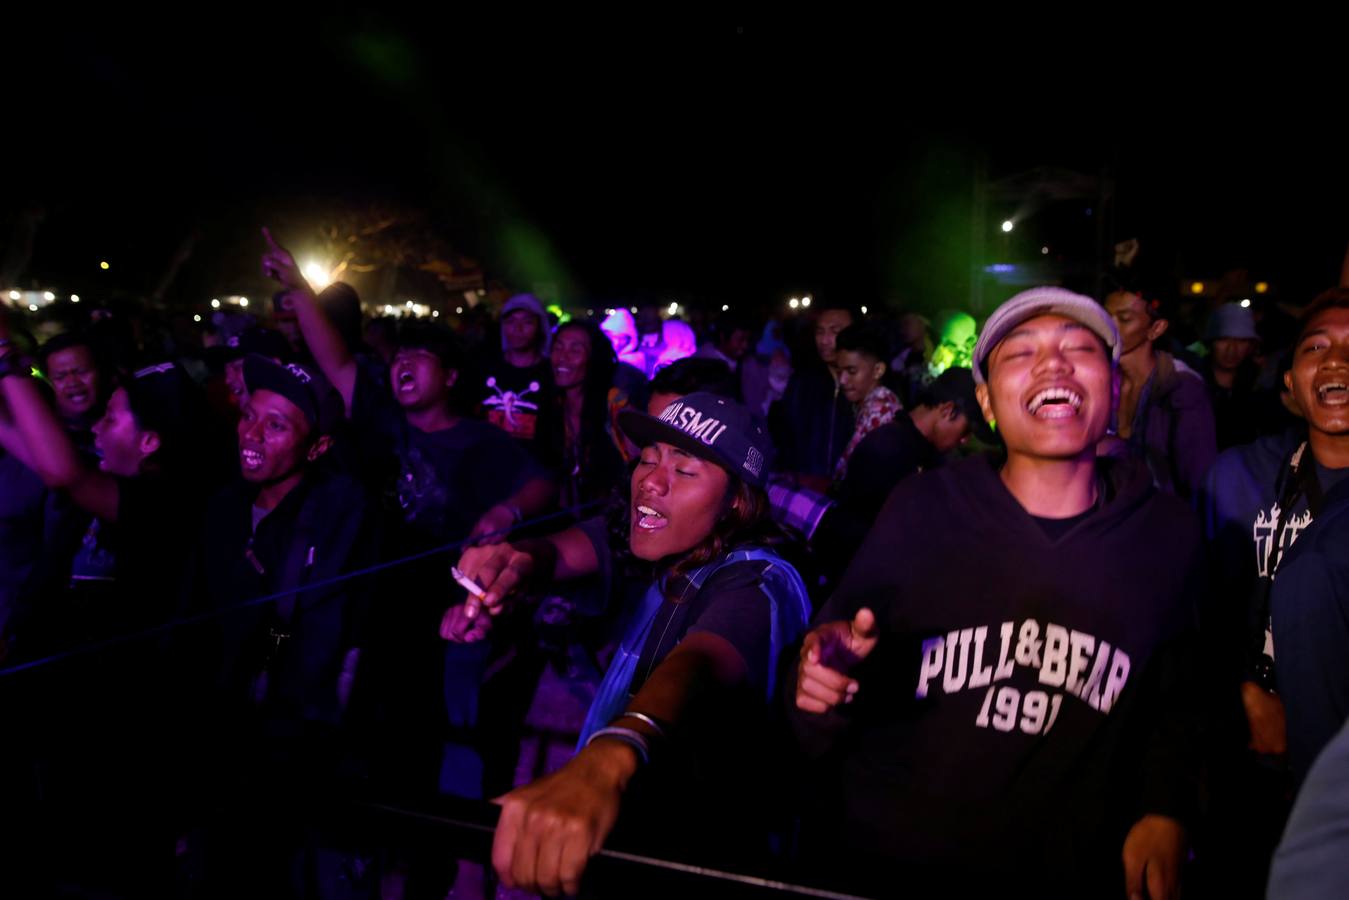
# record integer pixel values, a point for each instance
(811, 424)
(322, 529)
(1027, 700)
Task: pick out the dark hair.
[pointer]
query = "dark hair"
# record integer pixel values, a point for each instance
(728, 323)
(170, 404)
(863, 339)
(694, 373)
(342, 305)
(1335, 298)
(65, 341)
(599, 378)
(439, 340)
(853, 310)
(744, 520)
(1155, 301)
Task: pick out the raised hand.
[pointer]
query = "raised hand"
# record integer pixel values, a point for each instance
(280, 266)
(828, 654)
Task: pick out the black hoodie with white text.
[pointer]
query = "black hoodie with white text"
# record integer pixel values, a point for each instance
(1029, 697)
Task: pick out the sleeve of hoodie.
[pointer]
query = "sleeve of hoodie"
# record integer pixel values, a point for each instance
(1195, 442)
(871, 580)
(1179, 695)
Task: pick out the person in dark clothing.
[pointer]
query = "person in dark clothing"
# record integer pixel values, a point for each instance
(583, 364)
(1230, 372)
(515, 388)
(1258, 502)
(40, 528)
(698, 658)
(996, 687)
(946, 415)
(1164, 414)
(281, 673)
(143, 499)
(812, 422)
(448, 478)
(1309, 599)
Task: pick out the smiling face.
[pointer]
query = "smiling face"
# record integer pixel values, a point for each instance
(569, 355)
(122, 445)
(1319, 379)
(273, 438)
(74, 376)
(419, 379)
(1050, 389)
(677, 499)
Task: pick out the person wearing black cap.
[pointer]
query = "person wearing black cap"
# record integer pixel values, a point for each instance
(281, 673)
(697, 661)
(997, 692)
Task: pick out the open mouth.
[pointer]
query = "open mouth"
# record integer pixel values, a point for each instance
(650, 520)
(1055, 403)
(251, 459)
(1333, 393)
(77, 397)
(407, 382)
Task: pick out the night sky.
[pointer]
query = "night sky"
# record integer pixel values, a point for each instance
(715, 161)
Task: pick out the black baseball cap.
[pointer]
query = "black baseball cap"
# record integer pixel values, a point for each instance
(304, 386)
(710, 427)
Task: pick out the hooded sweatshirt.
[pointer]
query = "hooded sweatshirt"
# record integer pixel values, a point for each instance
(1026, 701)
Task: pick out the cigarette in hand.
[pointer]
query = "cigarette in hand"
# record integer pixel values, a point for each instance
(475, 594)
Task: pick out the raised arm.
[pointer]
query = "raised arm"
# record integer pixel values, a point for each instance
(320, 334)
(51, 453)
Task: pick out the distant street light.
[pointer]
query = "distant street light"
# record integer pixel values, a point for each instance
(74, 298)
(1007, 225)
(103, 265)
(215, 304)
(1246, 303)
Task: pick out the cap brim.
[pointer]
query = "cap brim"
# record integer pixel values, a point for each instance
(645, 430)
(263, 375)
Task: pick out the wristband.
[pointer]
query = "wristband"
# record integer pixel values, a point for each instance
(643, 717)
(632, 738)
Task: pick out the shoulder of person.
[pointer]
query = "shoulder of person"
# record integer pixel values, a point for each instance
(737, 575)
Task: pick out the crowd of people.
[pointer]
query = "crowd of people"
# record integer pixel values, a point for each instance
(835, 610)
